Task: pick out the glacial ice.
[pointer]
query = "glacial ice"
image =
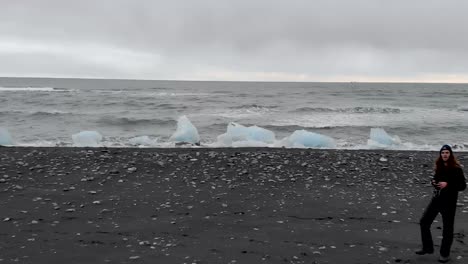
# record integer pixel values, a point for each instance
(186, 132)
(143, 141)
(303, 138)
(238, 135)
(380, 138)
(87, 139)
(5, 137)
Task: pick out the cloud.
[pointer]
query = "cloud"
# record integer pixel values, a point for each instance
(236, 40)
(70, 58)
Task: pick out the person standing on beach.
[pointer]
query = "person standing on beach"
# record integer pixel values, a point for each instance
(447, 181)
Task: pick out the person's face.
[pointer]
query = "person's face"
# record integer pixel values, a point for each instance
(445, 154)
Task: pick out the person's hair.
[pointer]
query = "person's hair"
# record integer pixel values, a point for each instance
(452, 162)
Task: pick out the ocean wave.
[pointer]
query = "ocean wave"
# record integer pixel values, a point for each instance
(167, 94)
(356, 110)
(334, 120)
(241, 113)
(49, 113)
(167, 106)
(463, 109)
(35, 113)
(131, 121)
(146, 105)
(314, 109)
(34, 89)
(148, 95)
(254, 106)
(316, 127)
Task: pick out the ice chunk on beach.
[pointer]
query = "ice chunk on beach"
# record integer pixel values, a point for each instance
(303, 138)
(238, 135)
(380, 138)
(143, 141)
(5, 137)
(186, 132)
(87, 139)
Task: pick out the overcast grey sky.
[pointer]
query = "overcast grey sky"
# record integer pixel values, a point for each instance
(257, 40)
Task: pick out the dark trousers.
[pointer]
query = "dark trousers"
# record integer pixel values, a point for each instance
(447, 209)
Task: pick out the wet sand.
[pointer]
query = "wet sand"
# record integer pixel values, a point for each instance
(249, 205)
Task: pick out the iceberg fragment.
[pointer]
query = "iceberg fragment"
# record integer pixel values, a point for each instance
(303, 138)
(186, 132)
(238, 135)
(87, 139)
(380, 138)
(5, 137)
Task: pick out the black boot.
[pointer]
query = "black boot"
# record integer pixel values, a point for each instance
(443, 259)
(424, 252)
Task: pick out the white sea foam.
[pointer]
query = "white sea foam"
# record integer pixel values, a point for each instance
(146, 94)
(243, 113)
(48, 112)
(35, 112)
(172, 94)
(43, 143)
(155, 143)
(32, 89)
(250, 143)
(410, 116)
(143, 141)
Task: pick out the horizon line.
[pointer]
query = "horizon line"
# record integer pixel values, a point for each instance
(245, 81)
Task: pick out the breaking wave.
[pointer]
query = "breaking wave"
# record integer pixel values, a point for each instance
(254, 106)
(356, 110)
(238, 113)
(33, 89)
(50, 113)
(130, 121)
(36, 113)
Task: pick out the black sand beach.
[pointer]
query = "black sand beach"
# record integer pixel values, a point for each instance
(249, 205)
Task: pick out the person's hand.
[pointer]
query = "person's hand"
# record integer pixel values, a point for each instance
(442, 185)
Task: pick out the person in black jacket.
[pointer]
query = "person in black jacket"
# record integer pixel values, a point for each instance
(447, 181)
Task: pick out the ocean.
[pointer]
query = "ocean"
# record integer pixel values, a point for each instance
(47, 111)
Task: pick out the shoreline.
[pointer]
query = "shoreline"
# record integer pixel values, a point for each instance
(217, 205)
(204, 148)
